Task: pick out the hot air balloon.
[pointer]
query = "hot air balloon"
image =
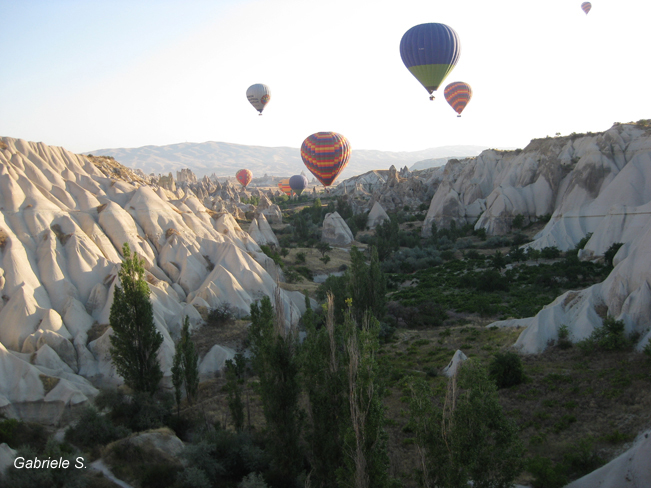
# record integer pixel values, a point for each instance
(458, 94)
(325, 154)
(298, 183)
(586, 6)
(259, 96)
(430, 52)
(284, 186)
(244, 176)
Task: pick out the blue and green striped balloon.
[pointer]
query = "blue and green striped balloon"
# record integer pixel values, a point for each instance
(430, 52)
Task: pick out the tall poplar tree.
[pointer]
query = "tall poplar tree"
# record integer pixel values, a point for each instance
(135, 340)
(185, 369)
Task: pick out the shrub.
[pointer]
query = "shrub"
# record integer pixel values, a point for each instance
(300, 257)
(564, 337)
(222, 315)
(94, 429)
(546, 473)
(609, 337)
(550, 252)
(506, 370)
(609, 255)
(518, 221)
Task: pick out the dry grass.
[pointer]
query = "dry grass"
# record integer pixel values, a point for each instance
(231, 335)
(3, 239)
(49, 382)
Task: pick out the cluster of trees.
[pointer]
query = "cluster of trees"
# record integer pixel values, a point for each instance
(322, 398)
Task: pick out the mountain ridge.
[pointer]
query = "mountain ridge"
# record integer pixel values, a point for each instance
(225, 158)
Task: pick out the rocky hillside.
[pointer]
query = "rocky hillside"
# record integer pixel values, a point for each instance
(224, 159)
(63, 221)
(594, 185)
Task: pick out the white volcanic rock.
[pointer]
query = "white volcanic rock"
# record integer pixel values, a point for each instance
(7, 457)
(336, 231)
(376, 216)
(631, 469)
(272, 213)
(261, 232)
(214, 361)
(625, 293)
(579, 180)
(451, 369)
(63, 221)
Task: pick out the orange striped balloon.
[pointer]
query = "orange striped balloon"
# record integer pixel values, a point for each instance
(284, 187)
(244, 176)
(458, 94)
(326, 154)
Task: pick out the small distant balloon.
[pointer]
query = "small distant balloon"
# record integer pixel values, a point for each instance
(259, 96)
(298, 183)
(458, 94)
(586, 6)
(284, 187)
(430, 52)
(244, 176)
(325, 154)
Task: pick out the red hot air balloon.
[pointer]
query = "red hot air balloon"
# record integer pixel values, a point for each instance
(244, 176)
(458, 94)
(586, 6)
(284, 187)
(326, 154)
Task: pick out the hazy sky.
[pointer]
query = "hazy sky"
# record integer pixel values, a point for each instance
(91, 74)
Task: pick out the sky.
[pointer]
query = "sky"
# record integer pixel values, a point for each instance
(93, 74)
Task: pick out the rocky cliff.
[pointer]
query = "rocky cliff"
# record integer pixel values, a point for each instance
(63, 221)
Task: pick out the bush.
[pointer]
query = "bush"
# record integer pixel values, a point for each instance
(222, 315)
(609, 255)
(609, 337)
(300, 257)
(506, 370)
(563, 337)
(546, 473)
(94, 429)
(138, 412)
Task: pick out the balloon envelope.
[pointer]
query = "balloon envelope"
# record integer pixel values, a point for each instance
(458, 94)
(259, 95)
(284, 186)
(298, 183)
(326, 154)
(586, 6)
(244, 176)
(430, 52)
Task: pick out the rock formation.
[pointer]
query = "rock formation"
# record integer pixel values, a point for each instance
(376, 216)
(63, 221)
(577, 179)
(336, 231)
(261, 232)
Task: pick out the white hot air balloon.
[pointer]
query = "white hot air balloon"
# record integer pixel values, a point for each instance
(259, 95)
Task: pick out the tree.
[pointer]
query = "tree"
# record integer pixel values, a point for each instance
(135, 340)
(345, 433)
(323, 248)
(366, 285)
(275, 349)
(469, 438)
(185, 368)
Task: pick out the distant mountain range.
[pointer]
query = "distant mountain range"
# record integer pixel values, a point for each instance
(224, 159)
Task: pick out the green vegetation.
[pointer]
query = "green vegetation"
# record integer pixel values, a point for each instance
(506, 370)
(468, 437)
(185, 368)
(135, 340)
